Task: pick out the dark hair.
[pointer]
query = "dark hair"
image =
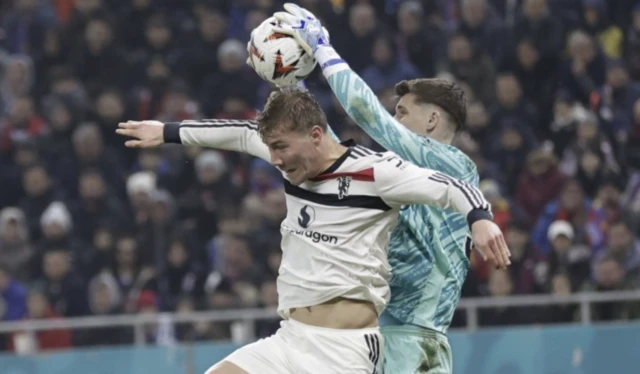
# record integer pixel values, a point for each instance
(290, 109)
(441, 92)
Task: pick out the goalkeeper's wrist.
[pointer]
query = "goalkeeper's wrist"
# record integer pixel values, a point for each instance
(329, 60)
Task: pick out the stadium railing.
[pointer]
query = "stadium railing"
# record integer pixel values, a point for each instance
(244, 318)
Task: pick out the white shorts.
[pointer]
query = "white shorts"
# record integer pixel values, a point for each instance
(297, 348)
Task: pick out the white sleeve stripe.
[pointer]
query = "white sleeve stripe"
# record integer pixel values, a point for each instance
(365, 150)
(358, 152)
(219, 124)
(222, 121)
(473, 196)
(469, 199)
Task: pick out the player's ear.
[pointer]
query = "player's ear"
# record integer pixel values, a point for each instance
(434, 118)
(316, 134)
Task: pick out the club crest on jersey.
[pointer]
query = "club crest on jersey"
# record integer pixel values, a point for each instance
(343, 186)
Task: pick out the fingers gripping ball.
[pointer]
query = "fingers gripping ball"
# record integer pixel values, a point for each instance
(277, 57)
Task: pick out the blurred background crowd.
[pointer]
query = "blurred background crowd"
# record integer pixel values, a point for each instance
(88, 227)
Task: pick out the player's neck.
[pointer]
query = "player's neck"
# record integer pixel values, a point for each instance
(330, 152)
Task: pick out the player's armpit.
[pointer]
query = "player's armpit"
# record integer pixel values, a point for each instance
(401, 183)
(233, 135)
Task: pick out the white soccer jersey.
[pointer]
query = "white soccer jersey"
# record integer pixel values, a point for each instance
(338, 224)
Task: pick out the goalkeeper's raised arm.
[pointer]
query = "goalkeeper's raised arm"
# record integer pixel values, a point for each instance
(428, 115)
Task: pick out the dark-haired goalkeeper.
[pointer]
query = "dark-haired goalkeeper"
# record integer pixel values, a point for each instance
(429, 249)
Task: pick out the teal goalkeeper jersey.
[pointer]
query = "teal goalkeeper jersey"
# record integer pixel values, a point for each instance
(428, 251)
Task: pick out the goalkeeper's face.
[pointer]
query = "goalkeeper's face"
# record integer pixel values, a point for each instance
(422, 119)
(296, 153)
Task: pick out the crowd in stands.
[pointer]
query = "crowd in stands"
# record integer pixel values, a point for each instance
(89, 227)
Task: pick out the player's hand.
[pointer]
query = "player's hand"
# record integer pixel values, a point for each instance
(489, 241)
(303, 26)
(147, 134)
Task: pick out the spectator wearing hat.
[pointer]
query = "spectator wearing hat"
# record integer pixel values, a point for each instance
(140, 185)
(57, 233)
(15, 248)
(204, 201)
(566, 257)
(160, 332)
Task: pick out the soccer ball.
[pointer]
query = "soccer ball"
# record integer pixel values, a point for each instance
(277, 57)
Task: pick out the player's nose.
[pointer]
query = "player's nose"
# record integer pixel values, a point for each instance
(276, 161)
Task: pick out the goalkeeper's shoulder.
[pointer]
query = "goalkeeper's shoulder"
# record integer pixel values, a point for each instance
(449, 160)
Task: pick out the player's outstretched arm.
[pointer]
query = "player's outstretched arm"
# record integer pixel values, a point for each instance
(402, 183)
(354, 95)
(233, 135)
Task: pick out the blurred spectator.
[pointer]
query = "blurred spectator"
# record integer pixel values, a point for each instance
(15, 249)
(183, 276)
(62, 285)
(38, 308)
(469, 64)
(585, 69)
(589, 139)
(501, 285)
(419, 42)
(90, 152)
(483, 28)
(17, 81)
(39, 193)
(232, 74)
(528, 269)
(564, 312)
(512, 107)
(566, 257)
(23, 123)
(610, 276)
(13, 297)
(539, 183)
(541, 26)
(595, 20)
(105, 299)
(624, 247)
(387, 68)
(57, 233)
(355, 44)
(200, 57)
(572, 206)
(95, 205)
(26, 26)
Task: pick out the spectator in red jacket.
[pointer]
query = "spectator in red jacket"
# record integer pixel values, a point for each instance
(38, 307)
(539, 183)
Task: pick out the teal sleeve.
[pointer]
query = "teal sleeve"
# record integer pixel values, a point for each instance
(361, 104)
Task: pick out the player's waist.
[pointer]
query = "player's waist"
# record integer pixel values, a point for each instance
(391, 325)
(338, 313)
